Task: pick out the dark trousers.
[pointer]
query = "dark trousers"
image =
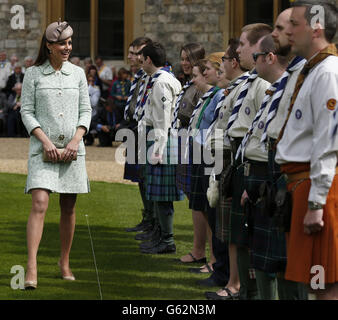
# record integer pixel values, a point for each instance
(15, 126)
(106, 138)
(165, 215)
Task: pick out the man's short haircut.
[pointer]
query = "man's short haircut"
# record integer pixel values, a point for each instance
(255, 31)
(140, 41)
(330, 15)
(156, 52)
(233, 45)
(268, 45)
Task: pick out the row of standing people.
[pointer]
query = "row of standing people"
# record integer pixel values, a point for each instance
(11, 77)
(263, 132)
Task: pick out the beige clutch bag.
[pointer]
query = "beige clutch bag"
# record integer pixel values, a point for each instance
(46, 159)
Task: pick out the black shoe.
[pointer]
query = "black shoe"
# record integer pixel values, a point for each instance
(141, 227)
(161, 248)
(210, 282)
(144, 236)
(137, 227)
(215, 296)
(149, 244)
(147, 235)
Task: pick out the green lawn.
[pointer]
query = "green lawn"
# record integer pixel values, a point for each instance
(124, 272)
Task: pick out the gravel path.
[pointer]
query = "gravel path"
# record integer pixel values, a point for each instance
(101, 164)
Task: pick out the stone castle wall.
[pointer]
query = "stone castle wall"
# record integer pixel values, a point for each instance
(22, 42)
(177, 22)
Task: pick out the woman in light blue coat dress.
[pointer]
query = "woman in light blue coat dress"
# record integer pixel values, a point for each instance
(56, 112)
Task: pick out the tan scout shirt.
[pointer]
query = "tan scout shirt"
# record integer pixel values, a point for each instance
(253, 149)
(160, 106)
(277, 122)
(249, 108)
(307, 136)
(217, 138)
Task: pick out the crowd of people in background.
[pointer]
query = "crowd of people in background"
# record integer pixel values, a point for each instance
(108, 90)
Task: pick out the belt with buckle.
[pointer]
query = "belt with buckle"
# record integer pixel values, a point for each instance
(255, 168)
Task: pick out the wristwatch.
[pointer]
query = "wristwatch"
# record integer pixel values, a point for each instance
(315, 205)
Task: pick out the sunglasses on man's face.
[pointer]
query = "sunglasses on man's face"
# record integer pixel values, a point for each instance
(226, 58)
(257, 54)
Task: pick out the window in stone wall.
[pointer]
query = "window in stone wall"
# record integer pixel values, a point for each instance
(98, 27)
(111, 29)
(77, 13)
(243, 12)
(259, 11)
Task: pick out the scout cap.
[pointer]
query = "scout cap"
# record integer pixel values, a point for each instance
(58, 31)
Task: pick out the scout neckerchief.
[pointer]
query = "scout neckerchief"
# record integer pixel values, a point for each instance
(244, 91)
(178, 102)
(294, 65)
(205, 106)
(331, 50)
(267, 98)
(101, 69)
(202, 100)
(138, 76)
(227, 91)
(150, 85)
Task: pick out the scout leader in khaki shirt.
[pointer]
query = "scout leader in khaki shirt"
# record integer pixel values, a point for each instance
(250, 106)
(307, 134)
(160, 106)
(278, 121)
(257, 151)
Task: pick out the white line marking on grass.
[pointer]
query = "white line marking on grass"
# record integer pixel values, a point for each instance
(97, 273)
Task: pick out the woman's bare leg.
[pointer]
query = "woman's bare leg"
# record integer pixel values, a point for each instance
(200, 230)
(67, 228)
(233, 283)
(40, 199)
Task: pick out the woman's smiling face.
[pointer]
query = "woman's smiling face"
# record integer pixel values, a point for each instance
(61, 51)
(185, 63)
(210, 74)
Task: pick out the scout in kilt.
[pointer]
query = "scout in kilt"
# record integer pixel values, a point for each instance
(243, 113)
(159, 103)
(185, 104)
(275, 118)
(308, 155)
(134, 171)
(202, 118)
(262, 229)
(215, 141)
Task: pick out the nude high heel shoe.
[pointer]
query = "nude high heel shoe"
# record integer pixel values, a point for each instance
(68, 278)
(30, 285)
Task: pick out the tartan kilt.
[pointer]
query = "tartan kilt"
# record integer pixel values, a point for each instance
(161, 178)
(266, 242)
(238, 233)
(224, 205)
(183, 178)
(198, 195)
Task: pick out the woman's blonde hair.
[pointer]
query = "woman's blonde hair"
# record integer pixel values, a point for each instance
(215, 59)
